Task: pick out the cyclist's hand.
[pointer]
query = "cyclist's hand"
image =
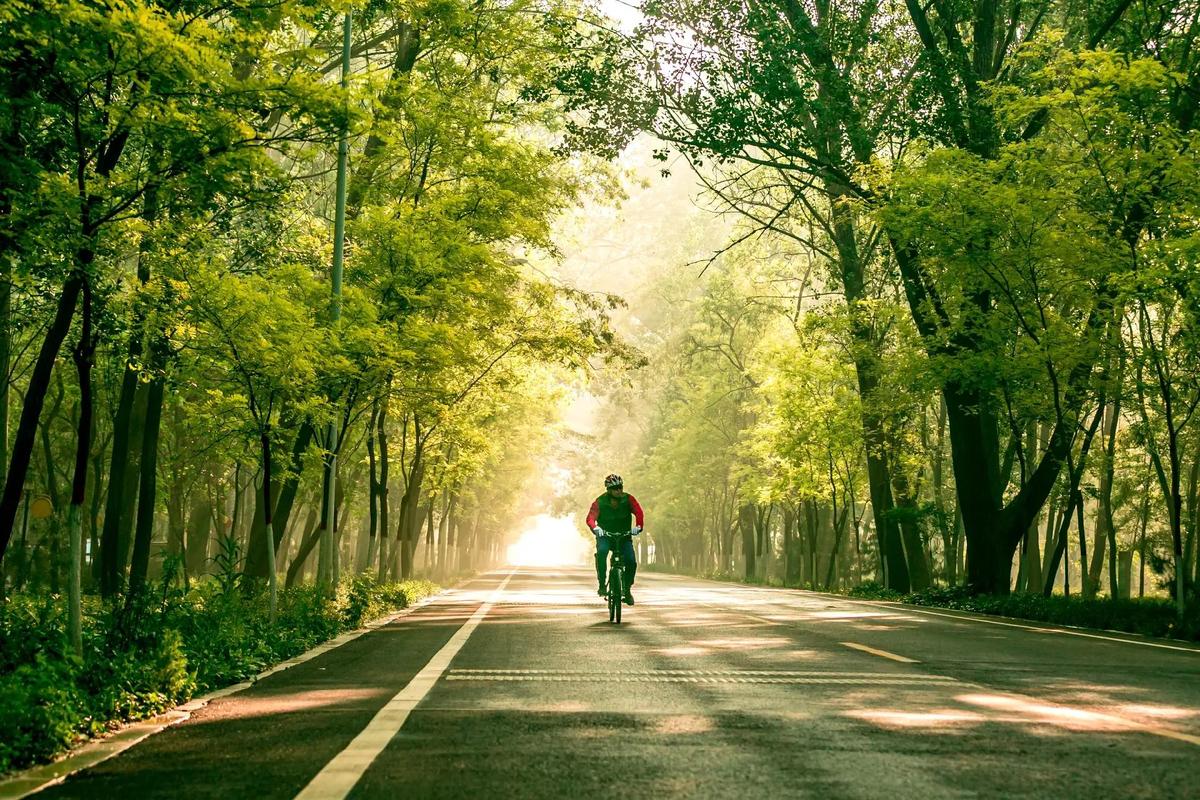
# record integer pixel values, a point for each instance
(597, 532)
(636, 530)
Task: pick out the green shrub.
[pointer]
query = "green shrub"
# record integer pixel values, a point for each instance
(41, 711)
(872, 590)
(142, 659)
(1146, 616)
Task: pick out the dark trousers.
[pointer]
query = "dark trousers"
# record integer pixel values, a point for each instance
(628, 555)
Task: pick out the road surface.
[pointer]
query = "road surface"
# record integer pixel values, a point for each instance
(516, 685)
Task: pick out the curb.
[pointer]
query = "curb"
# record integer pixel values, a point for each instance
(95, 751)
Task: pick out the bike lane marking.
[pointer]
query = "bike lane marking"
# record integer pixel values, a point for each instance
(337, 778)
(880, 653)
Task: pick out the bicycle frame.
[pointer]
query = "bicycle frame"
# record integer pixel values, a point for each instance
(616, 575)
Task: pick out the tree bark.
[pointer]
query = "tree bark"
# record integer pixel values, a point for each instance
(268, 541)
(199, 527)
(368, 558)
(83, 357)
(285, 493)
(148, 488)
(35, 397)
(746, 526)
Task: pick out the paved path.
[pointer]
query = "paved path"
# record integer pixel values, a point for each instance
(515, 685)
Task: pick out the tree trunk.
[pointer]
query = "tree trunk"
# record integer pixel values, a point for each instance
(95, 503)
(6, 245)
(368, 558)
(443, 532)
(52, 488)
(175, 519)
(384, 489)
(83, 357)
(199, 526)
(285, 493)
(910, 533)
(1095, 566)
(148, 488)
(746, 526)
(307, 543)
(126, 516)
(35, 398)
(409, 527)
(268, 541)
(791, 553)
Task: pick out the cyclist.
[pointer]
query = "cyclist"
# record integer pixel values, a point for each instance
(611, 512)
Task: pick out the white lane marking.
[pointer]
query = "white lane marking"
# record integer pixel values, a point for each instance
(341, 774)
(880, 653)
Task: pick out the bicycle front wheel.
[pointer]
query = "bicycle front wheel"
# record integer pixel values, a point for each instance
(613, 601)
(616, 584)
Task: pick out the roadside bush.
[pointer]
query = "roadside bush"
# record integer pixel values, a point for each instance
(872, 590)
(141, 660)
(41, 710)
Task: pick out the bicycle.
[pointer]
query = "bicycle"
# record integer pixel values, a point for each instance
(616, 576)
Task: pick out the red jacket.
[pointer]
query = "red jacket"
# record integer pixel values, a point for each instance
(638, 515)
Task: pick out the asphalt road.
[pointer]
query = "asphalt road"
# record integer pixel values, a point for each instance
(516, 685)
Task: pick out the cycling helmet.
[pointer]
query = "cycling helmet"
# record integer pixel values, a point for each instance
(613, 481)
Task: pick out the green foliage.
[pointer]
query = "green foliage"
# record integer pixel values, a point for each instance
(1145, 616)
(139, 664)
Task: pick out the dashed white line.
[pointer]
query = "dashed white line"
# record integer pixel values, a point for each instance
(880, 680)
(461, 674)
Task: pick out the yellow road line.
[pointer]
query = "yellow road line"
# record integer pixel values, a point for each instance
(880, 653)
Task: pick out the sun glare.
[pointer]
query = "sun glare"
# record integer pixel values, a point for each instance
(549, 542)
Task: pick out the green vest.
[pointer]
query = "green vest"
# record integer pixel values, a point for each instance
(614, 519)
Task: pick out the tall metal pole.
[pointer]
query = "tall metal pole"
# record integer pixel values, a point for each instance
(327, 565)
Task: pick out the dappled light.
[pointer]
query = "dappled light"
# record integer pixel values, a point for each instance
(938, 720)
(683, 724)
(562, 398)
(1076, 719)
(294, 702)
